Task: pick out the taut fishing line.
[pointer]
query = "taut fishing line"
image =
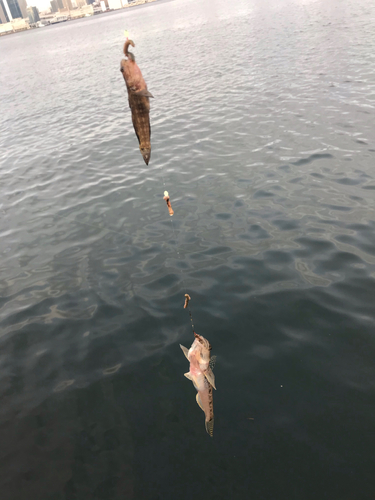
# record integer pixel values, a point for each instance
(187, 301)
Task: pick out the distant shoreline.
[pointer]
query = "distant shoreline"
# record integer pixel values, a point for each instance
(132, 4)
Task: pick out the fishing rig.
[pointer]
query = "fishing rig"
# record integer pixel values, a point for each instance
(167, 199)
(139, 103)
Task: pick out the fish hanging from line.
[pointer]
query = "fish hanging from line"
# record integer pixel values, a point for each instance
(201, 374)
(139, 100)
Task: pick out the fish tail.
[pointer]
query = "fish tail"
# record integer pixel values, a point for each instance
(126, 47)
(210, 426)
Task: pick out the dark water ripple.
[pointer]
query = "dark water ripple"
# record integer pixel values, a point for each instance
(262, 132)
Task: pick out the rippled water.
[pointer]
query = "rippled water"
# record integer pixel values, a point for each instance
(263, 134)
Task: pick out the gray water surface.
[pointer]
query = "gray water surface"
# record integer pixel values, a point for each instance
(263, 134)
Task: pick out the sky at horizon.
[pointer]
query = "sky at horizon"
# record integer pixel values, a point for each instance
(40, 4)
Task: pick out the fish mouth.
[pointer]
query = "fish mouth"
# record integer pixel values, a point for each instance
(203, 341)
(146, 153)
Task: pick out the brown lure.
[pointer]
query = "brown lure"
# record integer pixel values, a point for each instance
(168, 201)
(139, 100)
(187, 300)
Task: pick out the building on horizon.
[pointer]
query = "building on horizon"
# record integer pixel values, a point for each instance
(33, 15)
(60, 4)
(6, 17)
(3, 18)
(15, 25)
(68, 4)
(54, 6)
(23, 7)
(117, 4)
(10, 10)
(86, 10)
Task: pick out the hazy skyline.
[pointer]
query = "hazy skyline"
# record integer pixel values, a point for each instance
(40, 4)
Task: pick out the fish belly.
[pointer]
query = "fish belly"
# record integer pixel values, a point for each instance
(205, 401)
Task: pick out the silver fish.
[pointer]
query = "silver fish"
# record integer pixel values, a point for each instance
(201, 374)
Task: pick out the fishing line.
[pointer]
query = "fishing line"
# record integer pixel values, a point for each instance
(147, 141)
(187, 303)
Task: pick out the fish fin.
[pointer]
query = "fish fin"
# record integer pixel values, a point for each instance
(210, 426)
(199, 401)
(210, 377)
(212, 362)
(185, 350)
(188, 376)
(144, 93)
